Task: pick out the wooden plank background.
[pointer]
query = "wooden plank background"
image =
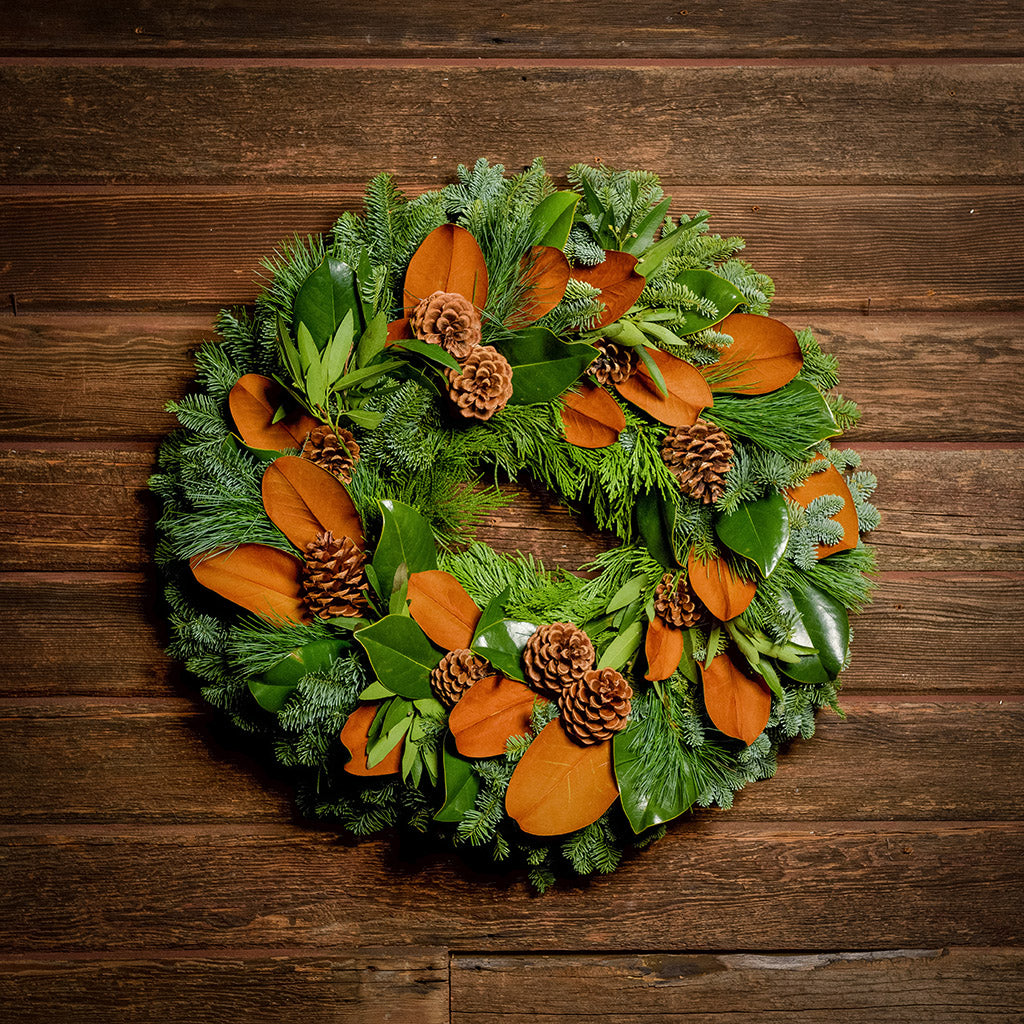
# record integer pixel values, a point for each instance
(872, 155)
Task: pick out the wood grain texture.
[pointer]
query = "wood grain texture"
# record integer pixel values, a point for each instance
(106, 378)
(879, 249)
(900, 986)
(145, 760)
(442, 28)
(88, 509)
(334, 987)
(714, 884)
(906, 124)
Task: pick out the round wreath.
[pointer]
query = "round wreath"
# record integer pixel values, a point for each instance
(319, 502)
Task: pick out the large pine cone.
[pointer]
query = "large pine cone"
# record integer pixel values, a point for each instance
(449, 320)
(556, 655)
(338, 452)
(677, 604)
(615, 364)
(483, 386)
(456, 673)
(333, 577)
(596, 707)
(699, 457)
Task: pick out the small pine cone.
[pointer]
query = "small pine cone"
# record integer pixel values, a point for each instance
(338, 452)
(699, 457)
(615, 364)
(596, 707)
(456, 673)
(333, 577)
(677, 604)
(555, 656)
(449, 320)
(483, 386)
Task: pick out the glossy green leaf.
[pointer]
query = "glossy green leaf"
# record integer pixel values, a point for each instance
(825, 626)
(272, 689)
(655, 519)
(543, 366)
(706, 285)
(400, 654)
(493, 613)
(373, 339)
(623, 647)
(461, 787)
(643, 234)
(552, 219)
(502, 645)
(326, 296)
(405, 539)
(376, 691)
(758, 530)
(433, 353)
(652, 791)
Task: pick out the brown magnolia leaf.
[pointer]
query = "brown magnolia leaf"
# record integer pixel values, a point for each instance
(545, 272)
(688, 391)
(443, 609)
(262, 580)
(830, 481)
(592, 418)
(448, 260)
(254, 401)
(764, 355)
(620, 284)
(560, 786)
(664, 647)
(488, 713)
(399, 330)
(725, 594)
(738, 705)
(304, 500)
(354, 737)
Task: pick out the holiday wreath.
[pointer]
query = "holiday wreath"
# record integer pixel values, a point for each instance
(320, 496)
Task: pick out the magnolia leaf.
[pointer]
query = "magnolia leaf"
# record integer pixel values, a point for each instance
(402, 658)
(354, 737)
(254, 402)
(325, 298)
(263, 580)
(653, 792)
(273, 688)
(443, 609)
(448, 260)
(688, 392)
(622, 648)
(591, 417)
(429, 351)
(655, 519)
(830, 481)
(705, 285)
(738, 705)
(764, 355)
(543, 366)
(827, 627)
(618, 281)
(724, 593)
(405, 539)
(489, 713)
(305, 501)
(758, 530)
(545, 272)
(399, 330)
(552, 219)
(502, 645)
(461, 787)
(664, 649)
(559, 786)
(493, 613)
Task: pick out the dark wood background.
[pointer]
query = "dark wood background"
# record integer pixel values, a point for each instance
(872, 155)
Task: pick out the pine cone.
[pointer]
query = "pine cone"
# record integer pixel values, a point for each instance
(677, 604)
(483, 386)
(333, 577)
(595, 707)
(615, 364)
(456, 673)
(556, 655)
(338, 452)
(699, 457)
(449, 320)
